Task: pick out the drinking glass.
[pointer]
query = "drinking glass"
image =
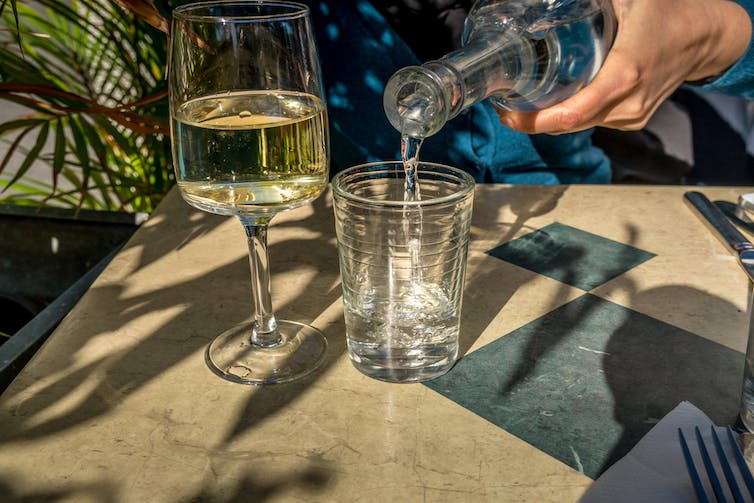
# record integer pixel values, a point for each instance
(249, 135)
(402, 261)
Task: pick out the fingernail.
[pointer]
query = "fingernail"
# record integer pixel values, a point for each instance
(507, 122)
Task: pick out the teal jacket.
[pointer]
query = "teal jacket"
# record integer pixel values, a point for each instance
(739, 79)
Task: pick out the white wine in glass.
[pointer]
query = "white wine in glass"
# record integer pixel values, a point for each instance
(249, 134)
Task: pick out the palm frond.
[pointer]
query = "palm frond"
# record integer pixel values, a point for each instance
(91, 74)
(147, 11)
(15, 17)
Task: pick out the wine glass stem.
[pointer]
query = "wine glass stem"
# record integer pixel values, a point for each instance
(265, 328)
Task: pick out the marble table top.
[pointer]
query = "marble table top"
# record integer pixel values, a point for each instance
(589, 313)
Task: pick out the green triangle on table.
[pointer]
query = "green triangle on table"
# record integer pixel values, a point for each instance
(571, 256)
(586, 381)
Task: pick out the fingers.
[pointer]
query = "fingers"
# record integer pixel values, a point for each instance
(621, 96)
(658, 47)
(601, 102)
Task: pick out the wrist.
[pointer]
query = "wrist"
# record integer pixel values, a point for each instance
(730, 36)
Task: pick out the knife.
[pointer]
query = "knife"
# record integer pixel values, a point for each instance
(725, 228)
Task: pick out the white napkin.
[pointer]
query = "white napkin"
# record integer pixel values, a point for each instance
(655, 470)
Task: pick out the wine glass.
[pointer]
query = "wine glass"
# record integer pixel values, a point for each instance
(249, 135)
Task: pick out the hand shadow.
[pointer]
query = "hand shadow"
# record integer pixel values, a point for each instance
(488, 289)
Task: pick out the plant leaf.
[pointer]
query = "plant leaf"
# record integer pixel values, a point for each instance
(13, 148)
(44, 90)
(58, 157)
(100, 150)
(15, 17)
(95, 69)
(146, 10)
(33, 153)
(18, 124)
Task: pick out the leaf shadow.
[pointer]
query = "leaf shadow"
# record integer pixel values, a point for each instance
(109, 309)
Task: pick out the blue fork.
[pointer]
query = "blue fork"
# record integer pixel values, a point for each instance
(710, 469)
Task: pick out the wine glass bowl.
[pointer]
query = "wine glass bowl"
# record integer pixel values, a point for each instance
(251, 152)
(249, 135)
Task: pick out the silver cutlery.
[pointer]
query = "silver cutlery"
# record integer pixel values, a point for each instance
(726, 229)
(722, 455)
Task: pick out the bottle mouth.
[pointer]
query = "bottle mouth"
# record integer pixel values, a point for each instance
(415, 103)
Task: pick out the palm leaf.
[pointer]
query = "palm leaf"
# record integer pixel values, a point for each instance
(58, 157)
(18, 124)
(13, 147)
(15, 17)
(81, 151)
(102, 183)
(93, 71)
(44, 131)
(147, 11)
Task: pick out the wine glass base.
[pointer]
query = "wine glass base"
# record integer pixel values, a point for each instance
(233, 357)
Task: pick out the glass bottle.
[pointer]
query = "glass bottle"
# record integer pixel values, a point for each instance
(523, 54)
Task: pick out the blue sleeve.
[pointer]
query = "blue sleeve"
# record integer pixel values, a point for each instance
(739, 79)
(359, 51)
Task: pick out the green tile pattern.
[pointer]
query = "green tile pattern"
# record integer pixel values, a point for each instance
(586, 381)
(572, 256)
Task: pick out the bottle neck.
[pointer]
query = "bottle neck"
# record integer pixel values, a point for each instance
(487, 65)
(419, 100)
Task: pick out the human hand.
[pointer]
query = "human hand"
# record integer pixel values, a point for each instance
(660, 44)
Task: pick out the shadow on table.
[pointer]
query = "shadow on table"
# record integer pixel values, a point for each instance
(487, 221)
(101, 385)
(97, 387)
(100, 492)
(588, 379)
(244, 491)
(582, 382)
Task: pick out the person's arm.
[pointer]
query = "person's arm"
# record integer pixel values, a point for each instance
(659, 46)
(739, 79)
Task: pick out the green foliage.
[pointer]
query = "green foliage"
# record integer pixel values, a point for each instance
(90, 75)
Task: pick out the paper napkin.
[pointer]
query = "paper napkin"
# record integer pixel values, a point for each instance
(655, 470)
